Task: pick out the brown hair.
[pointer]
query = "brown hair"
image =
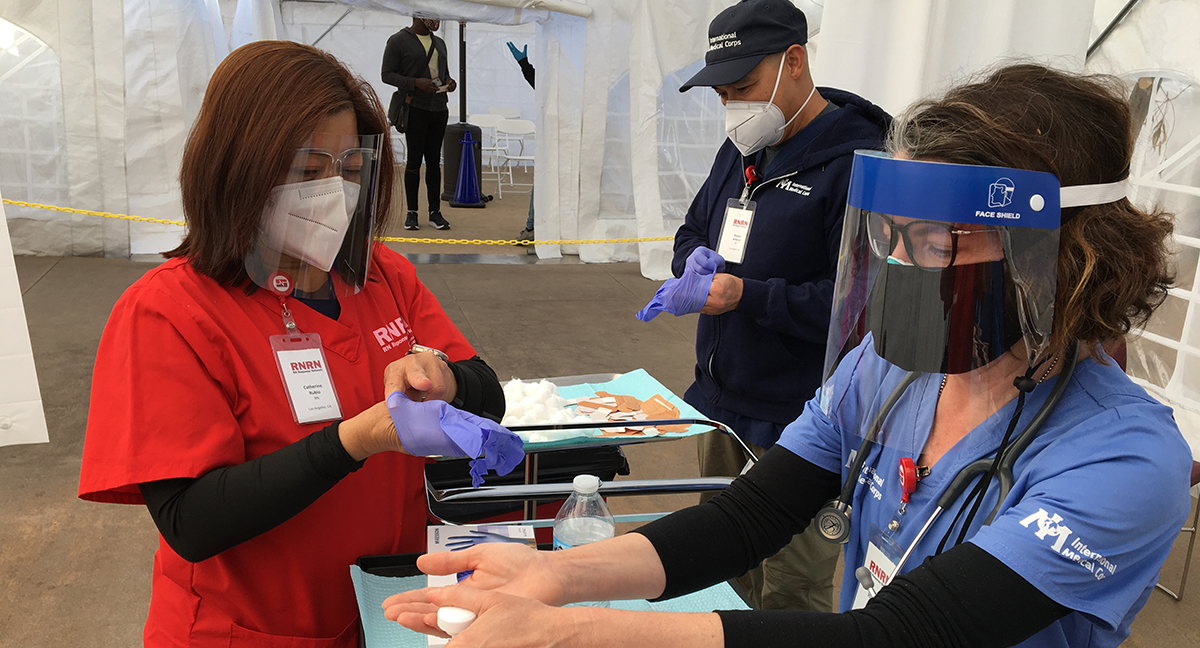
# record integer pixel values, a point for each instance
(1113, 259)
(263, 101)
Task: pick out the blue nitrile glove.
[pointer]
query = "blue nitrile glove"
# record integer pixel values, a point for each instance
(519, 54)
(688, 293)
(438, 428)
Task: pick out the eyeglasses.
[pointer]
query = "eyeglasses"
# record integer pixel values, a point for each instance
(315, 164)
(929, 244)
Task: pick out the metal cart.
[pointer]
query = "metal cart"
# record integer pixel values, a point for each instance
(530, 492)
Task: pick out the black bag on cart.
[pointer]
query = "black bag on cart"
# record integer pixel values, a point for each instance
(554, 467)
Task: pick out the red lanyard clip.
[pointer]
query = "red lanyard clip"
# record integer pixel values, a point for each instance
(751, 176)
(908, 478)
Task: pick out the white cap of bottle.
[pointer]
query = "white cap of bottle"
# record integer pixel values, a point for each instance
(454, 620)
(586, 484)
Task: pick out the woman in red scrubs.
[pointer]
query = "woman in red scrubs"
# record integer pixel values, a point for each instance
(238, 389)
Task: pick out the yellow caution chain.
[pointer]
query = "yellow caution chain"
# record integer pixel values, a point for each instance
(88, 212)
(385, 239)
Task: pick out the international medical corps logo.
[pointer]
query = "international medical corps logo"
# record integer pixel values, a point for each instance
(1000, 193)
(1050, 525)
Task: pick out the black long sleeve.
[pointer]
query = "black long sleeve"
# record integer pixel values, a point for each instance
(201, 517)
(479, 391)
(749, 521)
(964, 597)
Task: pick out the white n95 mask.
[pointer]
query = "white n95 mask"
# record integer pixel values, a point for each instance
(309, 220)
(755, 125)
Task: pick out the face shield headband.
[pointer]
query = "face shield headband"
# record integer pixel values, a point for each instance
(948, 266)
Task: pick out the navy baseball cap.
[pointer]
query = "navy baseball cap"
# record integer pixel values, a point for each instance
(740, 36)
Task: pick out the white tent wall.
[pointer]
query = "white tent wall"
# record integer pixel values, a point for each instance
(1157, 41)
(88, 39)
(896, 52)
(22, 419)
(170, 53)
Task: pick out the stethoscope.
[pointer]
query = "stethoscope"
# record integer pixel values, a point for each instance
(833, 521)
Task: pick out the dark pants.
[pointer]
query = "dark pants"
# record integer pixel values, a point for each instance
(424, 138)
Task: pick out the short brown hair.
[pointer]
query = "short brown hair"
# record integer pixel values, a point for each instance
(262, 103)
(1113, 259)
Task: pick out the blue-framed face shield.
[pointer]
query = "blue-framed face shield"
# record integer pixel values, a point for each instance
(945, 268)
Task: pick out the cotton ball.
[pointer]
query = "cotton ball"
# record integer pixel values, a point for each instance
(539, 437)
(544, 389)
(509, 421)
(580, 418)
(514, 388)
(560, 416)
(527, 419)
(517, 410)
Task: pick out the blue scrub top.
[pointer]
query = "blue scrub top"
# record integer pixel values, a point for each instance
(1099, 495)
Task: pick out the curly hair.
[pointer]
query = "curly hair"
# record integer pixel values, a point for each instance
(1113, 259)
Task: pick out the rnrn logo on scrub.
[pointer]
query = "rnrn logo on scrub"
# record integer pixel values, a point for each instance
(396, 334)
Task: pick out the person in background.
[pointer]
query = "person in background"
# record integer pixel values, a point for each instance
(239, 387)
(415, 61)
(522, 57)
(760, 340)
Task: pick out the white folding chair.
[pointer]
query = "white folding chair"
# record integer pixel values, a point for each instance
(490, 147)
(511, 132)
(507, 112)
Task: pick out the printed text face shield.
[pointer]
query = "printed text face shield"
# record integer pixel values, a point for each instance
(315, 232)
(943, 269)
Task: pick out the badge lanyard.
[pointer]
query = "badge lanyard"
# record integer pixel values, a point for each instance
(735, 229)
(884, 553)
(304, 371)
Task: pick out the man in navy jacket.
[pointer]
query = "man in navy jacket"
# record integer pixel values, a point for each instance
(760, 342)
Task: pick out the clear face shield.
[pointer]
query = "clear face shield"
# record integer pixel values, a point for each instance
(315, 235)
(946, 271)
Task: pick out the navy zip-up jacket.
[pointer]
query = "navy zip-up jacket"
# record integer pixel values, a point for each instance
(764, 359)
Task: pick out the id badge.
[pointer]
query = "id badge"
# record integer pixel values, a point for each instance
(306, 380)
(735, 230)
(880, 562)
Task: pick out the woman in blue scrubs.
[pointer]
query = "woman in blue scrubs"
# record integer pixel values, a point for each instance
(997, 480)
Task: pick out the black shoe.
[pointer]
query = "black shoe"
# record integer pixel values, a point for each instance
(410, 221)
(435, 219)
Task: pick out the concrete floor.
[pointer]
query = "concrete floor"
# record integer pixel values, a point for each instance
(78, 574)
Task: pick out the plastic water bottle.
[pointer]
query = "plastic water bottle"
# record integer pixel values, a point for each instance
(583, 518)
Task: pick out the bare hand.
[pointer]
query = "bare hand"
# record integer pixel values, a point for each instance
(425, 85)
(369, 432)
(511, 568)
(501, 619)
(451, 85)
(422, 377)
(723, 295)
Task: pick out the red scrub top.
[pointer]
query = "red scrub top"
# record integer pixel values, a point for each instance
(186, 382)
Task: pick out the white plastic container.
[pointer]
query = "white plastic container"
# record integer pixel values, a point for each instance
(583, 518)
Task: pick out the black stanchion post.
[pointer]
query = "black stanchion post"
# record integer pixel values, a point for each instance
(451, 144)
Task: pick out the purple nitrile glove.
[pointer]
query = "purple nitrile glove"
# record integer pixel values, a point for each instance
(436, 428)
(688, 293)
